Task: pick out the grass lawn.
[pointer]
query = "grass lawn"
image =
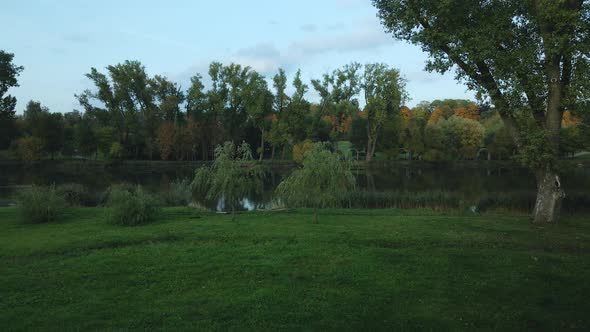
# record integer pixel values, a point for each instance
(355, 270)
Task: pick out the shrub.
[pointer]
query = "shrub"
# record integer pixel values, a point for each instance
(106, 195)
(179, 194)
(40, 204)
(131, 208)
(77, 195)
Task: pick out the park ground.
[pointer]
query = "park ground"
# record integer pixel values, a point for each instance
(354, 270)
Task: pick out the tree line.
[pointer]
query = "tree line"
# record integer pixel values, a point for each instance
(132, 115)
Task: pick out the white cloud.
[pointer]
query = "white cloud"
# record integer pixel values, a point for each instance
(266, 57)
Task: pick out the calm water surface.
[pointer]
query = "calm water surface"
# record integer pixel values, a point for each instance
(467, 180)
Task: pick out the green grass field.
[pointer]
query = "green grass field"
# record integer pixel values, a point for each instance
(355, 270)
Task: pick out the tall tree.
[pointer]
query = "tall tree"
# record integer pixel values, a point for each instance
(339, 92)
(279, 134)
(200, 114)
(128, 98)
(47, 127)
(168, 98)
(384, 91)
(532, 64)
(297, 110)
(8, 79)
(259, 102)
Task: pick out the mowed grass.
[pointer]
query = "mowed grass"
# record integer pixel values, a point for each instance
(355, 270)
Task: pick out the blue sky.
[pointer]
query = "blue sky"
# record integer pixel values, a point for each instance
(59, 41)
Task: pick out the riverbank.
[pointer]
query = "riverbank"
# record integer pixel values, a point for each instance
(355, 270)
(159, 165)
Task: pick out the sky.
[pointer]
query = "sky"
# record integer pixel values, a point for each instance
(58, 41)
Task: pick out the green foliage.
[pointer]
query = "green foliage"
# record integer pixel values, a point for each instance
(105, 138)
(40, 204)
(233, 175)
(47, 127)
(358, 133)
(384, 92)
(29, 149)
(536, 150)
(8, 79)
(300, 149)
(529, 58)
(497, 138)
(465, 135)
(131, 207)
(180, 193)
(411, 137)
(573, 139)
(319, 183)
(116, 151)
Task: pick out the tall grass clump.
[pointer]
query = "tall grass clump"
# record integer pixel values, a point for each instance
(180, 193)
(40, 204)
(131, 208)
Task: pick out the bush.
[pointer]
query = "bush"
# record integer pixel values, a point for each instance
(131, 208)
(40, 204)
(179, 194)
(106, 195)
(77, 195)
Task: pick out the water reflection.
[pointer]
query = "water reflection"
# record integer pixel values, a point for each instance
(470, 181)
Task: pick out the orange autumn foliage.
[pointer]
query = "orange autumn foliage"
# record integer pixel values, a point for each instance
(271, 117)
(470, 112)
(436, 115)
(569, 120)
(343, 127)
(406, 113)
(346, 124)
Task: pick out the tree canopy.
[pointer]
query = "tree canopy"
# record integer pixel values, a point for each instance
(529, 58)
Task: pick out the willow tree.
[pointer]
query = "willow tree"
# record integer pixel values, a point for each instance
(529, 58)
(319, 183)
(233, 175)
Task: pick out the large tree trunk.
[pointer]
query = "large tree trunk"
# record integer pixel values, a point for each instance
(549, 197)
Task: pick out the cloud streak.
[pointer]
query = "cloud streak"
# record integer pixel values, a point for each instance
(267, 57)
